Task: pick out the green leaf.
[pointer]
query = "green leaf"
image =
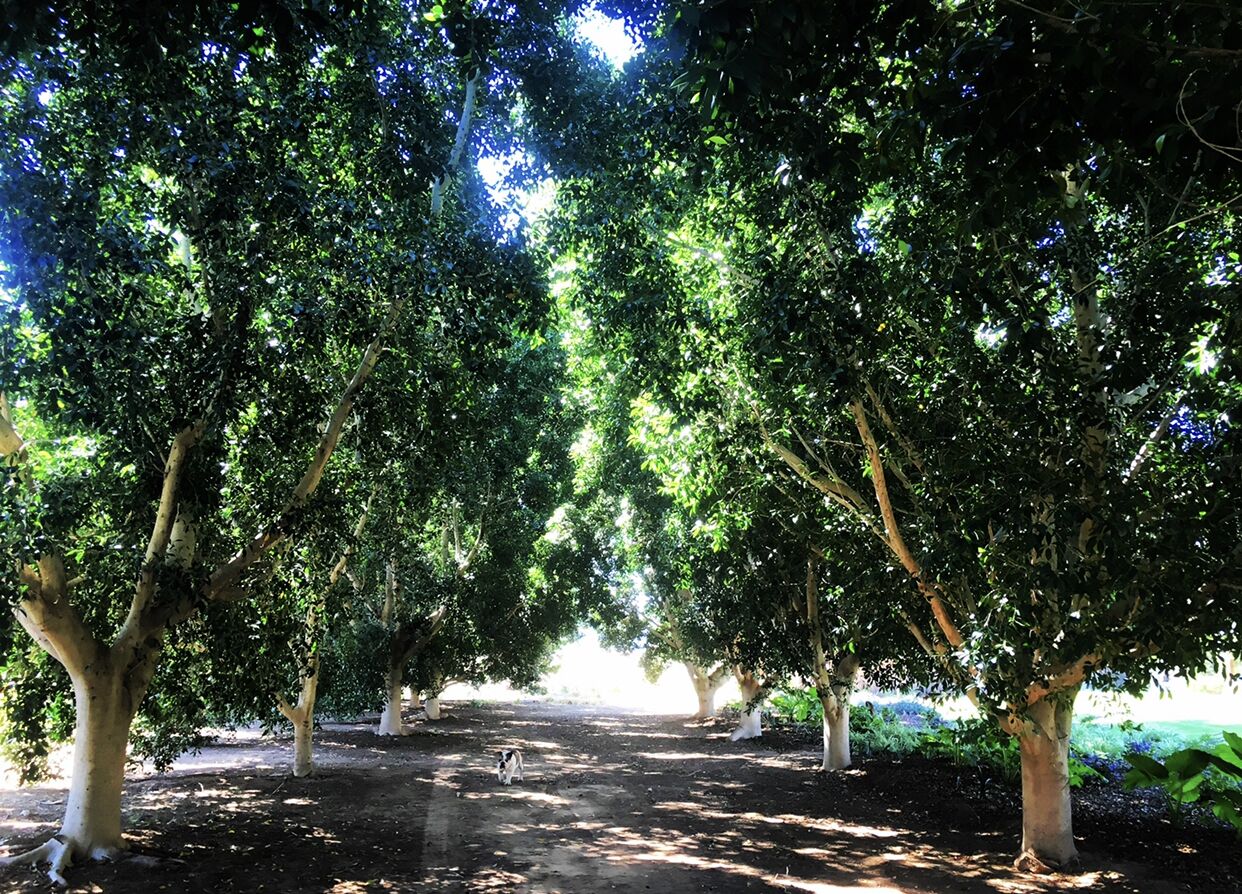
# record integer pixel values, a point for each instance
(1146, 770)
(1188, 762)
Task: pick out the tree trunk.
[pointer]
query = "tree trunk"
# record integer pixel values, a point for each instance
(91, 828)
(431, 706)
(390, 721)
(705, 687)
(1047, 826)
(751, 725)
(836, 734)
(92, 824)
(303, 740)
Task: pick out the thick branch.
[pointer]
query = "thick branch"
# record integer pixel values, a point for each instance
(906, 444)
(833, 488)
(10, 441)
(165, 515)
(343, 562)
(1153, 440)
(290, 712)
(1064, 679)
(895, 540)
(411, 640)
(51, 619)
(226, 575)
(459, 144)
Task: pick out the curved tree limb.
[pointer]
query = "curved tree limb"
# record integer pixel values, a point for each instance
(895, 540)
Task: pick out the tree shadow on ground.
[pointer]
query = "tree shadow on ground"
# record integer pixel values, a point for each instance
(610, 802)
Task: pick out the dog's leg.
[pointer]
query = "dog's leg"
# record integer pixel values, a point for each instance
(519, 767)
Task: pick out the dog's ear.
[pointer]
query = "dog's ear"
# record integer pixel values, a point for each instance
(500, 755)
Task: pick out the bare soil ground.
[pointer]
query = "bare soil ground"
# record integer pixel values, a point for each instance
(612, 801)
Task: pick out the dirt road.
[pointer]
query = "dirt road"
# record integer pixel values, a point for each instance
(611, 802)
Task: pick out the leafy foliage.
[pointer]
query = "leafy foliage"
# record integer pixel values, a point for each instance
(1193, 774)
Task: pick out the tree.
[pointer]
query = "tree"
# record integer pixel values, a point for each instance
(199, 248)
(926, 265)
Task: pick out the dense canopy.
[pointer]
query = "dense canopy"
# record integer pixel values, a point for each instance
(350, 347)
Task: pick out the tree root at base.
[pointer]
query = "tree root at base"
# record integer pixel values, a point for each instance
(1029, 861)
(58, 852)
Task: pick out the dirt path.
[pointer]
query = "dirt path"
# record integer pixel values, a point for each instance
(611, 802)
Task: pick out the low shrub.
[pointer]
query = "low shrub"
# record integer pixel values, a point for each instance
(1195, 775)
(881, 730)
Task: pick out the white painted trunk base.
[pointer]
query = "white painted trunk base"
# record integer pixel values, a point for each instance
(836, 736)
(390, 721)
(705, 689)
(92, 825)
(303, 742)
(431, 707)
(1047, 816)
(751, 725)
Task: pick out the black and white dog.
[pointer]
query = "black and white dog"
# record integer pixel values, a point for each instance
(508, 763)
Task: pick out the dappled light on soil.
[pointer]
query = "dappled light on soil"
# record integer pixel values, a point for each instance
(611, 802)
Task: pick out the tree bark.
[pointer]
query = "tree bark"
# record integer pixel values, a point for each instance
(303, 742)
(751, 725)
(302, 716)
(92, 820)
(431, 706)
(1047, 826)
(836, 734)
(390, 721)
(91, 829)
(833, 684)
(706, 685)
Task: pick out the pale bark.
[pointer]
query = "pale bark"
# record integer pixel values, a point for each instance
(302, 716)
(1047, 825)
(459, 144)
(751, 724)
(100, 736)
(303, 743)
(390, 720)
(10, 441)
(706, 684)
(91, 829)
(833, 682)
(431, 707)
(408, 640)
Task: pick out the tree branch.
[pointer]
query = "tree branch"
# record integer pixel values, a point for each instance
(227, 574)
(10, 441)
(1065, 678)
(835, 489)
(165, 515)
(343, 562)
(459, 144)
(895, 540)
(1152, 440)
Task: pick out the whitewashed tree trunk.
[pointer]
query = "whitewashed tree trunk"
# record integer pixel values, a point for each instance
(836, 734)
(706, 685)
(431, 706)
(390, 721)
(92, 821)
(302, 716)
(91, 829)
(751, 724)
(303, 742)
(834, 681)
(1047, 820)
